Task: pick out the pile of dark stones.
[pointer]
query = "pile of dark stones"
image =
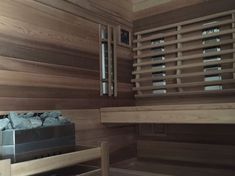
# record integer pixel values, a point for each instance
(32, 120)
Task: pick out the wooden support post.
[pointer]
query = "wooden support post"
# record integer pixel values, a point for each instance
(5, 167)
(104, 159)
(179, 54)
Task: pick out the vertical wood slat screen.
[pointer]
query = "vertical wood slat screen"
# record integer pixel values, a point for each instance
(194, 56)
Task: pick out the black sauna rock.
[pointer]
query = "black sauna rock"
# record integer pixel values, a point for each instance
(45, 115)
(29, 115)
(50, 121)
(26, 115)
(9, 126)
(32, 120)
(54, 114)
(18, 122)
(4, 123)
(63, 120)
(36, 122)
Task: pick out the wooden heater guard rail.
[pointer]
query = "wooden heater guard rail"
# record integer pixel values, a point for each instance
(223, 113)
(60, 161)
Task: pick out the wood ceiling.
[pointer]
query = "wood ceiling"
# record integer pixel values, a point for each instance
(144, 4)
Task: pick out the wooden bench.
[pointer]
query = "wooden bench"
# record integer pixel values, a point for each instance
(59, 161)
(206, 154)
(183, 114)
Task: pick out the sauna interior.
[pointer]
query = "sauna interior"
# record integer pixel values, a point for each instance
(117, 87)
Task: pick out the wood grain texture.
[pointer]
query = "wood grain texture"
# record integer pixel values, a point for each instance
(90, 131)
(120, 139)
(149, 8)
(191, 133)
(187, 152)
(105, 159)
(193, 114)
(54, 162)
(164, 19)
(49, 54)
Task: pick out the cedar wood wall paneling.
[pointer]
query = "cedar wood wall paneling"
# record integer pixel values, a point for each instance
(49, 59)
(49, 54)
(90, 132)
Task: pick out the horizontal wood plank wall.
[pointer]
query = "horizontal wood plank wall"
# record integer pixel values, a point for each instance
(49, 59)
(49, 54)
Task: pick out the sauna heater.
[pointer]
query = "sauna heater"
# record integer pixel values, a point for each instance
(22, 145)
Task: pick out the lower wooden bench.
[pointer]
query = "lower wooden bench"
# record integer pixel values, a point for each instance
(175, 114)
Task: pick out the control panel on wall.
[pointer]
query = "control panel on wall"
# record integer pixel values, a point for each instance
(108, 61)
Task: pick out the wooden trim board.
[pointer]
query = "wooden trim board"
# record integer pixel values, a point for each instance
(54, 162)
(186, 114)
(59, 161)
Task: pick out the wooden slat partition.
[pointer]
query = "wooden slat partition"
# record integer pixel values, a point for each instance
(210, 154)
(200, 46)
(185, 114)
(183, 31)
(179, 63)
(188, 39)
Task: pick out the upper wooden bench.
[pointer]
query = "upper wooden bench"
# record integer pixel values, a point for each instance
(186, 114)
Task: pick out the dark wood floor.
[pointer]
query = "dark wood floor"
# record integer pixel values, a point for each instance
(166, 168)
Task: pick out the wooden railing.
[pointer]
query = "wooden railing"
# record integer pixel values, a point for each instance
(37, 166)
(195, 56)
